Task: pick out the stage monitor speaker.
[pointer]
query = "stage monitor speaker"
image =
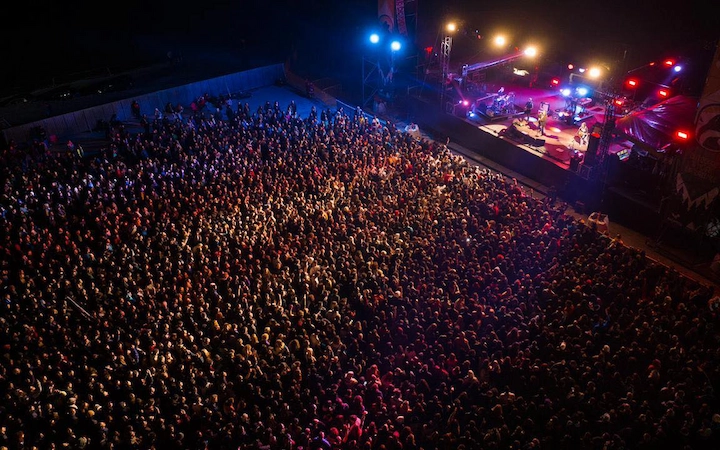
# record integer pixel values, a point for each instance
(513, 133)
(592, 148)
(535, 142)
(461, 110)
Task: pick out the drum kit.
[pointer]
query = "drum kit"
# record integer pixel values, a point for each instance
(503, 104)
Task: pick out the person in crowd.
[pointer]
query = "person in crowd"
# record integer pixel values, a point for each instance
(135, 109)
(285, 282)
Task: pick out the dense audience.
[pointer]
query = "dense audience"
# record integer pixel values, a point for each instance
(260, 280)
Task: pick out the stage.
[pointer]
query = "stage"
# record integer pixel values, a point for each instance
(556, 159)
(561, 141)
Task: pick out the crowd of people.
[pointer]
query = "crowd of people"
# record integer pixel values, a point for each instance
(270, 281)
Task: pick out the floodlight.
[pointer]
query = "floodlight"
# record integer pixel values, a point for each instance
(500, 41)
(374, 38)
(582, 91)
(594, 72)
(395, 46)
(451, 27)
(530, 51)
(677, 68)
(566, 92)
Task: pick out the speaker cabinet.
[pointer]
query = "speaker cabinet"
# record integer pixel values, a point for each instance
(535, 142)
(592, 148)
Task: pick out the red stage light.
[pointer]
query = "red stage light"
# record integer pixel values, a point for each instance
(632, 83)
(619, 102)
(555, 81)
(669, 62)
(684, 135)
(663, 93)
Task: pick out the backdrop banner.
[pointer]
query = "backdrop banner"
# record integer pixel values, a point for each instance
(386, 13)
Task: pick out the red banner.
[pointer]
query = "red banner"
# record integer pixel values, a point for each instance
(707, 120)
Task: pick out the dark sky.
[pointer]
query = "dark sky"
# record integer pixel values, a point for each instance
(49, 39)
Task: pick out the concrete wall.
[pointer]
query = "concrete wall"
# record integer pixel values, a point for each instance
(85, 120)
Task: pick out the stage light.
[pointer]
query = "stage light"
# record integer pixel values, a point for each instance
(465, 103)
(451, 27)
(500, 41)
(677, 68)
(581, 70)
(684, 135)
(374, 38)
(566, 92)
(395, 46)
(582, 92)
(664, 93)
(571, 67)
(619, 102)
(594, 72)
(632, 83)
(555, 81)
(530, 51)
(669, 62)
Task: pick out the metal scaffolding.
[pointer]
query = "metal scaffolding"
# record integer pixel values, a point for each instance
(445, 49)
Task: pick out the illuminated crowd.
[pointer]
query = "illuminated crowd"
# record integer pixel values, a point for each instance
(261, 280)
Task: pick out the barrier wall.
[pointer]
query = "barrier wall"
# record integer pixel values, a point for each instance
(85, 119)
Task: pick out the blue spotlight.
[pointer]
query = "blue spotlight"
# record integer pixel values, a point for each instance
(565, 92)
(582, 92)
(395, 46)
(374, 38)
(677, 68)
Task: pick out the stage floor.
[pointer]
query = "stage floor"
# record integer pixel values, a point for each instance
(561, 139)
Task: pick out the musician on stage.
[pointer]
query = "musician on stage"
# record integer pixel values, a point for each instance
(528, 109)
(542, 121)
(583, 133)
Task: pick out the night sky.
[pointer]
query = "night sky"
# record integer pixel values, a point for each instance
(47, 40)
